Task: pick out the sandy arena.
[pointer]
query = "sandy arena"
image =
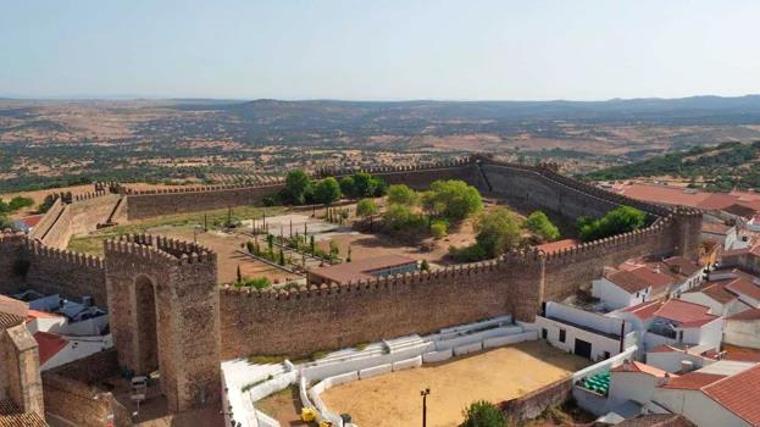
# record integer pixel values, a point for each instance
(497, 375)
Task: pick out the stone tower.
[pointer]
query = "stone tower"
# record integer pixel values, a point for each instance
(164, 306)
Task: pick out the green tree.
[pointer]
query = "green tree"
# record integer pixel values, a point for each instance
(347, 186)
(539, 224)
(452, 199)
(483, 414)
(19, 202)
(619, 220)
(403, 195)
(327, 191)
(297, 186)
(497, 232)
(366, 207)
(403, 218)
(365, 184)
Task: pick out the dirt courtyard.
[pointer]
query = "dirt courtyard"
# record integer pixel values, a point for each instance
(497, 375)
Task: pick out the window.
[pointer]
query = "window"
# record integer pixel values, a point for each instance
(606, 355)
(680, 336)
(544, 333)
(561, 335)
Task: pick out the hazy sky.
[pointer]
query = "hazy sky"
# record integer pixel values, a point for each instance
(406, 49)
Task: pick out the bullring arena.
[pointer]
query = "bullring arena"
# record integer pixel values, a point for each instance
(170, 309)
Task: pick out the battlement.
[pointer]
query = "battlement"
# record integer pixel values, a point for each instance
(202, 188)
(454, 163)
(530, 259)
(161, 248)
(9, 236)
(89, 195)
(49, 254)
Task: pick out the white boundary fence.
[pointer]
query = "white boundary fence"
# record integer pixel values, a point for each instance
(380, 358)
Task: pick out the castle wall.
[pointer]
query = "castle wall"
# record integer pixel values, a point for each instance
(181, 200)
(300, 322)
(71, 274)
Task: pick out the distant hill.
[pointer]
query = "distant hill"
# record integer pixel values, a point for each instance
(719, 168)
(693, 110)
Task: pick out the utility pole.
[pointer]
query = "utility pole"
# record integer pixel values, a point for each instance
(424, 394)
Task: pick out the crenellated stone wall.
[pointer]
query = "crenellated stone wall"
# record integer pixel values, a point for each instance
(304, 320)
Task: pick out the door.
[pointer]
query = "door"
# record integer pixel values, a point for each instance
(583, 348)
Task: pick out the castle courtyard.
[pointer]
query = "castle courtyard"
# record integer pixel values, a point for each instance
(497, 375)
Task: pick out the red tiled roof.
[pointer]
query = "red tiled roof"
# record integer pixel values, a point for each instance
(738, 393)
(49, 345)
(744, 286)
(691, 381)
(664, 348)
(645, 310)
(685, 313)
(32, 220)
(360, 269)
(690, 197)
(682, 265)
(715, 227)
(627, 281)
(641, 368)
(640, 278)
(12, 311)
(746, 315)
(716, 292)
(36, 314)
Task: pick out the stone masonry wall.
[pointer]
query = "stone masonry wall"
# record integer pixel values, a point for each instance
(306, 320)
(179, 200)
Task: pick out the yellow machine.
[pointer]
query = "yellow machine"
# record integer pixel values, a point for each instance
(308, 414)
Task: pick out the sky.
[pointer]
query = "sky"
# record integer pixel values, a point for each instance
(380, 50)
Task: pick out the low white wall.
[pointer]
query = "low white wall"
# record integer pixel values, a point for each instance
(468, 348)
(274, 385)
(605, 365)
(437, 356)
(414, 362)
(375, 371)
(510, 339)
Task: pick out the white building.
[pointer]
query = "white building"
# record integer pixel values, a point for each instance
(625, 288)
(586, 334)
(673, 322)
(721, 301)
(743, 329)
(726, 235)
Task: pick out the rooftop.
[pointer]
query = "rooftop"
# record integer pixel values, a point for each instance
(691, 381)
(738, 394)
(640, 278)
(643, 368)
(12, 312)
(684, 313)
(360, 269)
(49, 345)
(11, 416)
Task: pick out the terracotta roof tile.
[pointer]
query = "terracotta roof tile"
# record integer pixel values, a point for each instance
(744, 286)
(641, 368)
(685, 313)
(746, 315)
(558, 245)
(691, 381)
(11, 416)
(645, 310)
(716, 292)
(49, 345)
(738, 393)
(360, 269)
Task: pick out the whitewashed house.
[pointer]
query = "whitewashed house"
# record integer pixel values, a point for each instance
(715, 295)
(584, 333)
(743, 329)
(673, 322)
(625, 288)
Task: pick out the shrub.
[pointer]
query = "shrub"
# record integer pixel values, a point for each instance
(497, 232)
(366, 207)
(540, 225)
(619, 220)
(439, 229)
(402, 195)
(483, 414)
(255, 282)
